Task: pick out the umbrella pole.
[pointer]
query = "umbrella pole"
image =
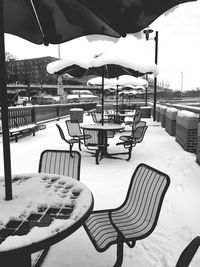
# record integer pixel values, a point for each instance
(117, 102)
(4, 112)
(102, 100)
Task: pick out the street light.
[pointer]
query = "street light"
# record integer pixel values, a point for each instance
(181, 85)
(147, 32)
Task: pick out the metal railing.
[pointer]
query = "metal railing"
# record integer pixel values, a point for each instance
(43, 113)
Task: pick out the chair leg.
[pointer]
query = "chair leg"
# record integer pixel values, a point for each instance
(98, 155)
(129, 153)
(120, 251)
(79, 145)
(70, 149)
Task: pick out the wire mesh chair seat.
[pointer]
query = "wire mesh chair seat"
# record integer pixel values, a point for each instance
(75, 132)
(94, 143)
(136, 218)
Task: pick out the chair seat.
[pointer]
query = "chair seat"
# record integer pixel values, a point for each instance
(72, 141)
(125, 137)
(101, 231)
(82, 136)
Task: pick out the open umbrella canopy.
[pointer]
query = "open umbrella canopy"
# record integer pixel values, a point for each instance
(133, 15)
(58, 21)
(134, 60)
(127, 80)
(122, 81)
(50, 21)
(80, 65)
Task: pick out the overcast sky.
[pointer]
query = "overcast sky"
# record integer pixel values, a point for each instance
(178, 46)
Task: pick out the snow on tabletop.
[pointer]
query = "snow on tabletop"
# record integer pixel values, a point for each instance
(35, 191)
(186, 114)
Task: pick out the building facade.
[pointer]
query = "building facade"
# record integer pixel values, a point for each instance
(30, 71)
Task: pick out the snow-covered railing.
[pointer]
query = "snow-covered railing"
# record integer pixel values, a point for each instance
(43, 113)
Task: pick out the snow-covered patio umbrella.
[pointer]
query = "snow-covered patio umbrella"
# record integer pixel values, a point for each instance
(84, 64)
(117, 83)
(134, 60)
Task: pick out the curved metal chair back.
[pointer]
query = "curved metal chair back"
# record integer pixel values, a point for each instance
(136, 119)
(97, 117)
(73, 128)
(93, 139)
(61, 162)
(94, 118)
(61, 132)
(136, 218)
(138, 133)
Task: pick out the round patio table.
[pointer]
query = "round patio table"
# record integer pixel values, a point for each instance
(103, 135)
(45, 209)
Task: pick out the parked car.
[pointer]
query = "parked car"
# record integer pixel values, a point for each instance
(42, 100)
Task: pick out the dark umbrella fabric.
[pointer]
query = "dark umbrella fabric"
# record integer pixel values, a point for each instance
(133, 15)
(50, 21)
(109, 71)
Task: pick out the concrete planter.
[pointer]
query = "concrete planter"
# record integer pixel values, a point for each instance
(198, 145)
(146, 112)
(158, 112)
(186, 130)
(170, 121)
(76, 114)
(163, 110)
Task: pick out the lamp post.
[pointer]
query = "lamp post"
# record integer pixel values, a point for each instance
(147, 32)
(181, 85)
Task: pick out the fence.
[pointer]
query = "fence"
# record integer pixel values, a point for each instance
(43, 113)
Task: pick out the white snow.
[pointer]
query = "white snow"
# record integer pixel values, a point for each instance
(179, 220)
(32, 191)
(88, 60)
(186, 114)
(172, 110)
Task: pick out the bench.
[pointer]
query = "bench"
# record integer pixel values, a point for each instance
(23, 130)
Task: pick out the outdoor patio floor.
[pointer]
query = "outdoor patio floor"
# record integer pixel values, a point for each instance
(179, 221)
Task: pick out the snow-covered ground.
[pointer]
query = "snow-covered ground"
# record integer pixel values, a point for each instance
(179, 220)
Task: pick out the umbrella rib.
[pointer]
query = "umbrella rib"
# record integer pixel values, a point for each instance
(39, 24)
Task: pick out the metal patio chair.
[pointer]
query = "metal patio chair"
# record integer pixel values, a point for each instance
(136, 218)
(70, 141)
(97, 118)
(74, 130)
(63, 162)
(130, 141)
(136, 119)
